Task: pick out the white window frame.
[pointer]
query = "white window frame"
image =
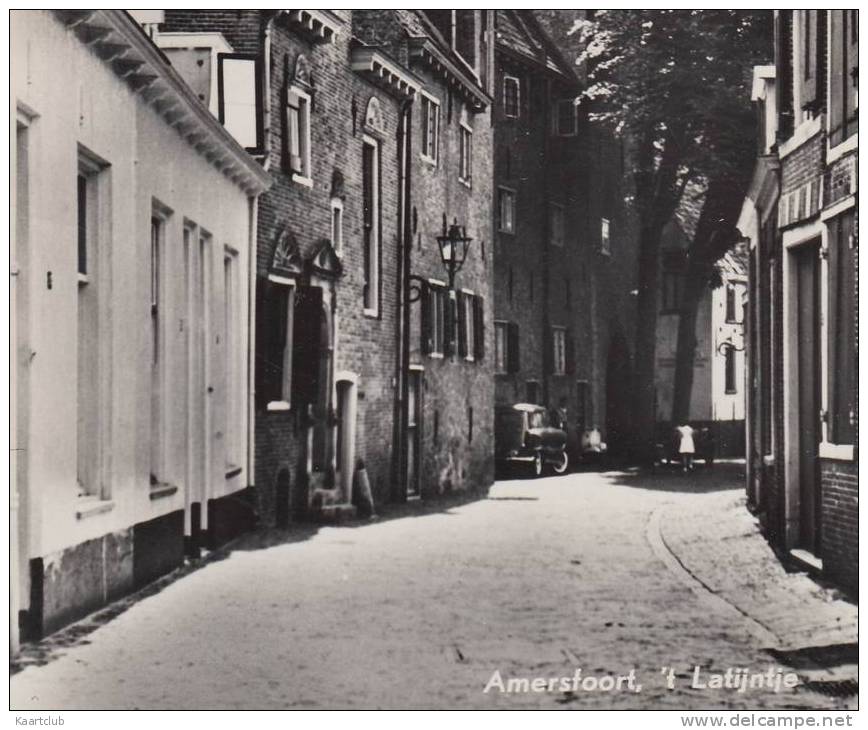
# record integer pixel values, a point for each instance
(374, 279)
(159, 355)
(465, 156)
(557, 233)
(469, 324)
(437, 308)
(605, 237)
(559, 350)
(305, 177)
(286, 385)
(517, 80)
(336, 213)
(500, 217)
(428, 134)
(501, 329)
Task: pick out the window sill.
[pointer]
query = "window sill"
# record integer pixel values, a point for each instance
(83, 279)
(838, 452)
(839, 150)
(469, 358)
(430, 161)
(503, 230)
(372, 313)
(91, 506)
(302, 180)
(277, 405)
(435, 355)
(232, 471)
(769, 460)
(466, 183)
(158, 491)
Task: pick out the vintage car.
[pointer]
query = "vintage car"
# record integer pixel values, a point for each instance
(524, 439)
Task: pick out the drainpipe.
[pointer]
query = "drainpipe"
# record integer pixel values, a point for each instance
(544, 249)
(402, 332)
(253, 223)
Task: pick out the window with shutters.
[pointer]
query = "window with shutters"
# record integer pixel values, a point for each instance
(465, 170)
(470, 319)
(506, 210)
(430, 128)
(842, 330)
(239, 105)
(337, 221)
(371, 225)
(559, 351)
(435, 327)
(843, 75)
(297, 148)
(511, 96)
(672, 284)
(275, 316)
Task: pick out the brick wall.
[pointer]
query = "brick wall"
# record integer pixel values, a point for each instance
(840, 521)
(803, 164)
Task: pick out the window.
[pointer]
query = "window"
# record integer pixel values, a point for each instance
(337, 233)
(430, 129)
(465, 172)
(566, 118)
(471, 334)
(556, 224)
(91, 199)
(506, 210)
(434, 322)
(459, 30)
(371, 225)
(297, 135)
(239, 101)
(605, 243)
(511, 96)
(500, 347)
(729, 369)
(559, 351)
(275, 316)
(731, 314)
(842, 331)
(844, 75)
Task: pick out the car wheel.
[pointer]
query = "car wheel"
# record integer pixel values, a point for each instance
(536, 467)
(562, 464)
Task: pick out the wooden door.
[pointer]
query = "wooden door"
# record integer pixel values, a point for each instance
(808, 360)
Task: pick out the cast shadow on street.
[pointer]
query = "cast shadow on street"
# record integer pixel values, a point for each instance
(703, 479)
(54, 646)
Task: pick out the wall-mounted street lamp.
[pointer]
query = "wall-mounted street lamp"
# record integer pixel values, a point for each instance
(453, 244)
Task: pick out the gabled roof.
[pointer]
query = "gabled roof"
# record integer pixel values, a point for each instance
(520, 35)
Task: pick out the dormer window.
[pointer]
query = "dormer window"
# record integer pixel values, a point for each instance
(460, 30)
(239, 105)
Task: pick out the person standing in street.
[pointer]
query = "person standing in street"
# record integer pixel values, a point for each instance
(686, 447)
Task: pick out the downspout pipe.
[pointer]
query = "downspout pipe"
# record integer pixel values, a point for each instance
(402, 329)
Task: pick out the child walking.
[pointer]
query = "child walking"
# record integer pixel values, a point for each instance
(685, 447)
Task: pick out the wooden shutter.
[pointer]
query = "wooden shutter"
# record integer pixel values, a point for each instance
(808, 54)
(851, 43)
(784, 71)
(569, 353)
(479, 327)
(367, 217)
(513, 356)
(425, 312)
(306, 348)
(838, 77)
(843, 301)
(461, 302)
(270, 340)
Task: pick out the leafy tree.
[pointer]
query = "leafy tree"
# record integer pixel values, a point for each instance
(676, 84)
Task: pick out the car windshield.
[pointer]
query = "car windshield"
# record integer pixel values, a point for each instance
(537, 419)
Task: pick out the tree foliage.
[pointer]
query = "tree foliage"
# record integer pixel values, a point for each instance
(676, 85)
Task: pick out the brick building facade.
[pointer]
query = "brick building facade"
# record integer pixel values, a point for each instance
(801, 219)
(564, 245)
(339, 106)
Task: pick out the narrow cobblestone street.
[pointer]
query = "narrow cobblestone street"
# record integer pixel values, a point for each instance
(607, 572)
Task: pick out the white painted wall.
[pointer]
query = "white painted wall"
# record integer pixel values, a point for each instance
(728, 406)
(76, 99)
